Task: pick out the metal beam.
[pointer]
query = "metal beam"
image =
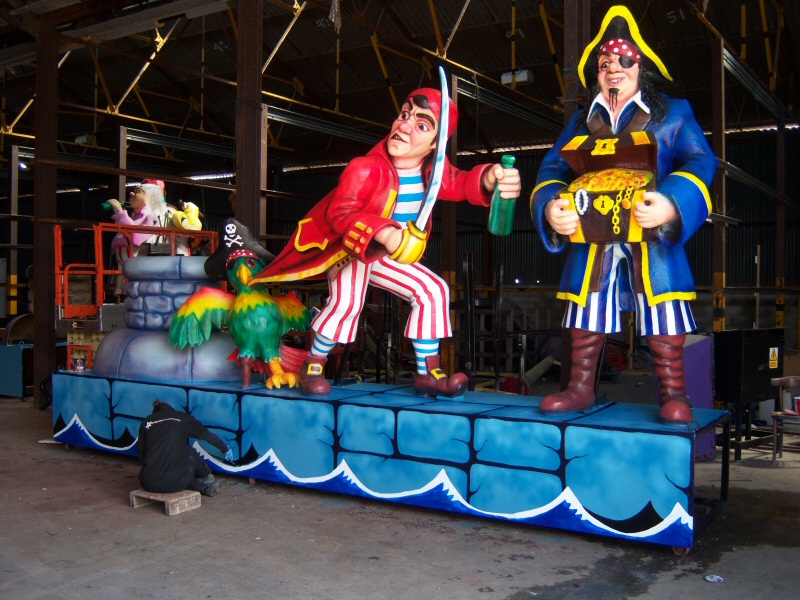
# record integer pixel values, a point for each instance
(751, 84)
(577, 35)
(719, 251)
(471, 90)
(118, 28)
(436, 29)
(737, 174)
(456, 26)
(159, 139)
(282, 115)
(13, 226)
(376, 46)
(359, 19)
(248, 115)
(160, 41)
(780, 219)
(122, 162)
(298, 10)
(740, 70)
(10, 128)
(45, 178)
(551, 45)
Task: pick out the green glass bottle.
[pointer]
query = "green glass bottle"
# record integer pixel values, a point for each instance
(501, 213)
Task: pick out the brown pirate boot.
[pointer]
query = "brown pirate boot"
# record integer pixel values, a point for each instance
(579, 394)
(312, 376)
(668, 367)
(436, 383)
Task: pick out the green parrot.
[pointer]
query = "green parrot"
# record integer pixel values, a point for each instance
(255, 320)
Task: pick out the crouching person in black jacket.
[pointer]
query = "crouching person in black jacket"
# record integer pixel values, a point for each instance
(170, 463)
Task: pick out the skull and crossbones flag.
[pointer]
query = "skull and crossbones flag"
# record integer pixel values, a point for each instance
(234, 240)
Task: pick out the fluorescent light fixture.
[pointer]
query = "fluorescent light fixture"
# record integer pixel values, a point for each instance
(333, 165)
(518, 76)
(211, 176)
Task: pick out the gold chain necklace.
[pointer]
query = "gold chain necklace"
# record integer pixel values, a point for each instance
(622, 196)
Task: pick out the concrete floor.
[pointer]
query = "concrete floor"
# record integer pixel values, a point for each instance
(67, 532)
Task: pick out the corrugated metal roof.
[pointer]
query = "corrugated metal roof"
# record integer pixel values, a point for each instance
(302, 74)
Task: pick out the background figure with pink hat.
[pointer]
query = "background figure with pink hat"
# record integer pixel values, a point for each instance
(146, 207)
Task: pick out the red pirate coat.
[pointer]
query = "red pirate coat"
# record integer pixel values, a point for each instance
(342, 226)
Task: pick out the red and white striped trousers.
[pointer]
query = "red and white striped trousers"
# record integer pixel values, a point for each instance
(426, 293)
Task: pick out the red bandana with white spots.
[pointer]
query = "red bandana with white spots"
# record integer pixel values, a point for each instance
(239, 253)
(622, 48)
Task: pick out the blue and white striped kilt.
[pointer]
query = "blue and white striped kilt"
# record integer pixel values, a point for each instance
(602, 313)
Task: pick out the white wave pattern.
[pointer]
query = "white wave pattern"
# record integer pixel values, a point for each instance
(76, 422)
(678, 513)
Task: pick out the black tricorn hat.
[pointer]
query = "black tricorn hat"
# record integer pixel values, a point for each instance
(618, 23)
(234, 240)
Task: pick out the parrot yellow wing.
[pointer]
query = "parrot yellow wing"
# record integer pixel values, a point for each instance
(206, 309)
(295, 315)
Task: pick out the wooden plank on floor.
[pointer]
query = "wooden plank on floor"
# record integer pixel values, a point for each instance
(174, 503)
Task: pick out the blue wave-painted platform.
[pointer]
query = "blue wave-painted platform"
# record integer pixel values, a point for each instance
(614, 471)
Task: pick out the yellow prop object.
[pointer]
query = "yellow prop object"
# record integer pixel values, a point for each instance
(188, 218)
(413, 245)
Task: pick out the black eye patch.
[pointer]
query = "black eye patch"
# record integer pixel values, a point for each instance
(421, 101)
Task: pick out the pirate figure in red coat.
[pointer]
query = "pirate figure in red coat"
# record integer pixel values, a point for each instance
(660, 198)
(367, 232)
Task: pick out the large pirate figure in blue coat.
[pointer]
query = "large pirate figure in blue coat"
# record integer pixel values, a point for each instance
(641, 266)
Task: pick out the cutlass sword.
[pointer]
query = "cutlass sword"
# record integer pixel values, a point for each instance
(438, 166)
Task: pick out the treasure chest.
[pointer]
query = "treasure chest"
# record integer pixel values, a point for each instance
(614, 171)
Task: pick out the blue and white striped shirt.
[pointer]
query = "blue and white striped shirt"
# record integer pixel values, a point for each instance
(410, 195)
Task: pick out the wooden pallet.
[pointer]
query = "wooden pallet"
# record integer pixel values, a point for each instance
(174, 503)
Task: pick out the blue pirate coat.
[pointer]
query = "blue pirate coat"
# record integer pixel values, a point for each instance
(686, 167)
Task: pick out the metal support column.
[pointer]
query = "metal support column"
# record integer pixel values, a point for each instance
(718, 144)
(249, 115)
(470, 365)
(122, 163)
(577, 34)
(14, 308)
(780, 242)
(263, 165)
(45, 207)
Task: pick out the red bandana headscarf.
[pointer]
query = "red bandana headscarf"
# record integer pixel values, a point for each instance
(432, 99)
(622, 48)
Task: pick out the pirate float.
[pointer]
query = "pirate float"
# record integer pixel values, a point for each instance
(482, 454)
